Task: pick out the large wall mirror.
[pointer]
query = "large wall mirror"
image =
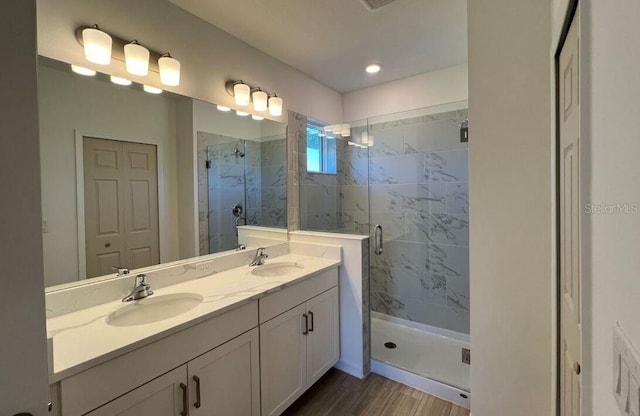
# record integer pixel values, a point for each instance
(133, 179)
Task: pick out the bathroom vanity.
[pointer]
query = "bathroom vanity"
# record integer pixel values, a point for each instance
(241, 341)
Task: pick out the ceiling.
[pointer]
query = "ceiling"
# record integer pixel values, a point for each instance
(333, 40)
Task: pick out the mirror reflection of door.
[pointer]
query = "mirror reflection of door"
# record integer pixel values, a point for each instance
(121, 205)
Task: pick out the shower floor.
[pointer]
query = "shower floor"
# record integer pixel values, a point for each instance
(419, 351)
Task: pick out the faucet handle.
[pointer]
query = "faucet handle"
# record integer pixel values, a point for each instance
(141, 279)
(122, 271)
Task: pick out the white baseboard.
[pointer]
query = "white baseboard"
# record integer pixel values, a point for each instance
(443, 391)
(350, 369)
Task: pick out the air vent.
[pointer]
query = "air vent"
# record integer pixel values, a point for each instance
(374, 5)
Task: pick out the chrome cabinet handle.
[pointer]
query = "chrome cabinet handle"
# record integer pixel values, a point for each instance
(198, 402)
(378, 239)
(306, 324)
(185, 405)
(311, 315)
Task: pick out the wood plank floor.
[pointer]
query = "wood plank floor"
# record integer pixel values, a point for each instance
(339, 394)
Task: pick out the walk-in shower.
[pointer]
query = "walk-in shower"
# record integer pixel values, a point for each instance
(403, 180)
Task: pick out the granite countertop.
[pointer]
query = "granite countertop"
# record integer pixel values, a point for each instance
(83, 339)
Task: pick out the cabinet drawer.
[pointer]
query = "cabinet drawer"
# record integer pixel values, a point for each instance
(86, 391)
(281, 301)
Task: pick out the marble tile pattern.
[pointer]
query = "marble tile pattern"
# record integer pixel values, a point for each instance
(296, 131)
(272, 210)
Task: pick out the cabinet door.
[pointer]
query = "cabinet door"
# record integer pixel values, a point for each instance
(226, 380)
(283, 361)
(163, 396)
(323, 342)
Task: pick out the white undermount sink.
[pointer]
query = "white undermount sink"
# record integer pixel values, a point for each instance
(277, 269)
(153, 309)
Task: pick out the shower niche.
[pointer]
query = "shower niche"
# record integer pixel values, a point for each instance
(242, 181)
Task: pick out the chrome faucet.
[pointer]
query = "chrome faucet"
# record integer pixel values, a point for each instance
(122, 271)
(140, 290)
(258, 260)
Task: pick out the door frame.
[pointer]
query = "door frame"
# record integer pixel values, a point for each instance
(162, 210)
(572, 9)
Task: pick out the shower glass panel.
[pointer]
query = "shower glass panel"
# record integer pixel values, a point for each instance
(419, 283)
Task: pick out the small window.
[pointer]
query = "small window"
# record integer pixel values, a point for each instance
(321, 151)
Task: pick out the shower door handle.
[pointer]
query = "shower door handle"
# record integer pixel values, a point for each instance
(378, 239)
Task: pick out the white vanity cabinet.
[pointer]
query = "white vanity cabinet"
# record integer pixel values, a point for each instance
(300, 344)
(224, 381)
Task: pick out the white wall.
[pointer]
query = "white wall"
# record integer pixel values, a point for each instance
(510, 159)
(424, 90)
(208, 55)
(23, 356)
(70, 102)
(611, 145)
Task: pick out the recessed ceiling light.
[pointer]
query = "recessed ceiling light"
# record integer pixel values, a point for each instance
(120, 81)
(223, 108)
(83, 71)
(242, 113)
(151, 90)
(373, 68)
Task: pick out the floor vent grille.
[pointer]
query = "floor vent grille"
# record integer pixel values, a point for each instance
(374, 5)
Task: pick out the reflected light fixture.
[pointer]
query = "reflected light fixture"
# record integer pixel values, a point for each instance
(83, 71)
(223, 108)
(275, 106)
(241, 94)
(373, 68)
(258, 118)
(259, 100)
(242, 113)
(120, 81)
(169, 70)
(97, 45)
(345, 130)
(136, 58)
(151, 90)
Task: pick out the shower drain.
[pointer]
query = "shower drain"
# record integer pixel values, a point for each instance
(390, 345)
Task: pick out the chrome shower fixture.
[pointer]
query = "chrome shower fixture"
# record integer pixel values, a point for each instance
(238, 153)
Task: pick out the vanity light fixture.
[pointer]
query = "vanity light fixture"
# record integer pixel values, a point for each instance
(120, 81)
(223, 108)
(373, 68)
(151, 90)
(241, 113)
(97, 45)
(241, 94)
(169, 70)
(345, 131)
(83, 71)
(136, 58)
(275, 106)
(257, 118)
(259, 100)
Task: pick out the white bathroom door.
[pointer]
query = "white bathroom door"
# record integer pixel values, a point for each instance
(121, 205)
(569, 216)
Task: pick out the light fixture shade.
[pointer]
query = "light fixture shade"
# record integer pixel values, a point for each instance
(345, 130)
(151, 90)
(169, 70)
(83, 71)
(364, 137)
(120, 81)
(242, 94)
(258, 118)
(260, 100)
(242, 113)
(223, 108)
(97, 46)
(275, 106)
(136, 58)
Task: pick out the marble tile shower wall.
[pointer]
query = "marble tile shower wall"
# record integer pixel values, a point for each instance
(419, 194)
(272, 209)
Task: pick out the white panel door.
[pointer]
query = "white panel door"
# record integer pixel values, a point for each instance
(323, 341)
(226, 380)
(163, 396)
(121, 205)
(570, 280)
(283, 360)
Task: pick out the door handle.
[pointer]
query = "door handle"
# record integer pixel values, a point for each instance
(185, 405)
(198, 402)
(306, 324)
(311, 316)
(378, 239)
